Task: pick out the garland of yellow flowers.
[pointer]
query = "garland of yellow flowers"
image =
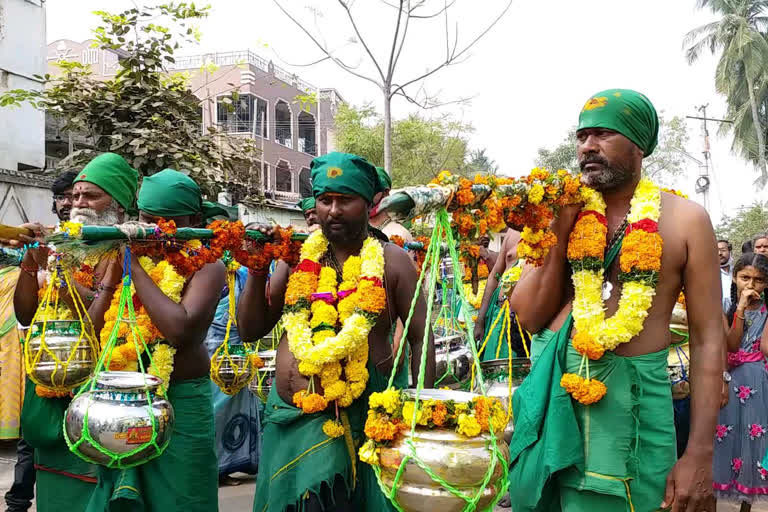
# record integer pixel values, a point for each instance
(125, 355)
(475, 299)
(639, 262)
(310, 320)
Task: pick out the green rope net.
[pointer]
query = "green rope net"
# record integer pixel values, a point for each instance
(442, 233)
(55, 318)
(149, 449)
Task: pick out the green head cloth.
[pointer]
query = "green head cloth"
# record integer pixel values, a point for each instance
(171, 193)
(625, 111)
(342, 173)
(306, 204)
(385, 180)
(111, 173)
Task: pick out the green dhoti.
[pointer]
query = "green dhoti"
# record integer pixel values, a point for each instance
(610, 456)
(185, 477)
(64, 481)
(539, 342)
(495, 331)
(298, 458)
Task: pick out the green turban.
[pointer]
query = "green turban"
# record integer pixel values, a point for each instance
(343, 173)
(385, 180)
(171, 193)
(111, 173)
(306, 204)
(625, 111)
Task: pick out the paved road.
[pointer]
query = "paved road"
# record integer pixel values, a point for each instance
(231, 498)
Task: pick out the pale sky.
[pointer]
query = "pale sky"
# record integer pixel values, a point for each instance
(528, 78)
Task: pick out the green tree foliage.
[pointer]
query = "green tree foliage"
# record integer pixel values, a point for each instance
(666, 163)
(747, 222)
(150, 118)
(740, 37)
(421, 147)
(480, 163)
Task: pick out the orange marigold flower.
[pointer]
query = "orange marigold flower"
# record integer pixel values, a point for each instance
(641, 251)
(397, 240)
(586, 345)
(439, 414)
(379, 428)
(372, 298)
(571, 382)
(312, 402)
(591, 391)
(301, 285)
(45, 392)
(587, 239)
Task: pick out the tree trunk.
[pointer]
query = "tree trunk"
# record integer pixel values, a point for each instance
(758, 128)
(387, 129)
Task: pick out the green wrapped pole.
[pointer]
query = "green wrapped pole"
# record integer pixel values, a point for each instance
(106, 233)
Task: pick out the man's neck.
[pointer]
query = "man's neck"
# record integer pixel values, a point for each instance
(379, 219)
(619, 198)
(342, 251)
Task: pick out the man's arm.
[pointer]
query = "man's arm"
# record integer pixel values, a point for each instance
(257, 316)
(538, 296)
(195, 311)
(405, 288)
(690, 482)
(25, 296)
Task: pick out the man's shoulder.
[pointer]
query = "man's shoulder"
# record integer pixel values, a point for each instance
(684, 212)
(395, 228)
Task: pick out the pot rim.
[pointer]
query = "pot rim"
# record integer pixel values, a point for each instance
(128, 380)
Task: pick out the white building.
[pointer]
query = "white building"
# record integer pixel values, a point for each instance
(22, 56)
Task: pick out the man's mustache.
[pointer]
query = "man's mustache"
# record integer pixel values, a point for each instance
(592, 159)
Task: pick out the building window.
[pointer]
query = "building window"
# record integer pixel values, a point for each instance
(90, 56)
(283, 177)
(307, 133)
(305, 185)
(283, 133)
(237, 116)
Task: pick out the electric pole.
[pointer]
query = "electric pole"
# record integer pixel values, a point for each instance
(703, 182)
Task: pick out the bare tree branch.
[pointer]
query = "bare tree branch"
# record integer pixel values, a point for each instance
(360, 38)
(421, 4)
(455, 55)
(322, 48)
(429, 102)
(390, 67)
(393, 63)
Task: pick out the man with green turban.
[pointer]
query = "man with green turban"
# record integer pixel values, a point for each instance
(381, 219)
(103, 194)
(307, 206)
(301, 467)
(619, 452)
(185, 477)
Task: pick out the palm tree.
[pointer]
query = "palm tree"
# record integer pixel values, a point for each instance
(741, 72)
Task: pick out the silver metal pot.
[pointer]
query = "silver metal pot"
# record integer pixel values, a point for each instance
(62, 338)
(452, 355)
(120, 419)
(227, 370)
(261, 384)
(496, 379)
(461, 461)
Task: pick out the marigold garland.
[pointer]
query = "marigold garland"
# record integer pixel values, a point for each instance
(283, 248)
(390, 414)
(315, 306)
(639, 263)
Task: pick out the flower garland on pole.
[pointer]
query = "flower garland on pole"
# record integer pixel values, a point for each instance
(639, 262)
(315, 305)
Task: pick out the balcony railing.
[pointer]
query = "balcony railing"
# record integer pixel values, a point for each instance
(241, 57)
(308, 146)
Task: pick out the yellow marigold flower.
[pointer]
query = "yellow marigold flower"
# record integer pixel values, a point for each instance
(333, 429)
(539, 174)
(323, 313)
(389, 400)
(423, 413)
(309, 369)
(327, 281)
(335, 390)
(347, 399)
(369, 453)
(352, 269)
(461, 408)
(536, 194)
(586, 345)
(468, 425)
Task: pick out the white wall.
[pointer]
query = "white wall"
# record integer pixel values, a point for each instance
(24, 203)
(22, 55)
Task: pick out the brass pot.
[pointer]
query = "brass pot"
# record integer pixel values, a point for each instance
(261, 384)
(120, 419)
(234, 371)
(496, 380)
(62, 339)
(461, 461)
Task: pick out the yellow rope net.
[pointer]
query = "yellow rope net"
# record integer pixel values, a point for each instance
(60, 350)
(233, 366)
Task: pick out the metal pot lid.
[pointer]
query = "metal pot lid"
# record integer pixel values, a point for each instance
(128, 380)
(442, 394)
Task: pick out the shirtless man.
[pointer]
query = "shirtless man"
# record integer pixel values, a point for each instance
(185, 476)
(290, 472)
(382, 220)
(624, 455)
(489, 309)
